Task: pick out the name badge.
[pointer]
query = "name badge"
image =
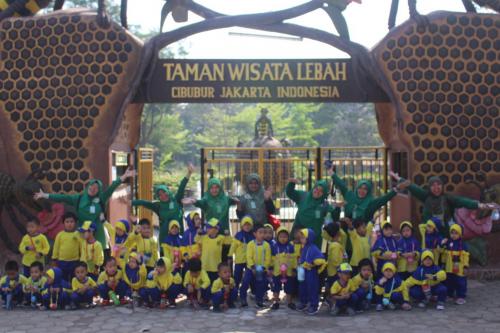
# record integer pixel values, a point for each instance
(317, 214)
(92, 209)
(253, 205)
(171, 205)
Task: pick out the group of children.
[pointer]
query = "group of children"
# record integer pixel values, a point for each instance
(356, 271)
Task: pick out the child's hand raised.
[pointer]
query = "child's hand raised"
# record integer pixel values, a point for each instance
(382, 280)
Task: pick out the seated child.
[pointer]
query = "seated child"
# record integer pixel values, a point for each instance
(359, 234)
(343, 293)
(211, 245)
(427, 281)
(363, 283)
(34, 285)
(110, 283)
(224, 290)
(391, 290)
(335, 255)
(239, 248)
(83, 286)
(385, 248)
(55, 293)
(34, 246)
(283, 260)
(258, 264)
(456, 258)
(197, 284)
(66, 251)
(91, 249)
(162, 285)
(12, 285)
(310, 265)
(171, 245)
(144, 244)
(431, 238)
(189, 247)
(408, 251)
(119, 232)
(135, 275)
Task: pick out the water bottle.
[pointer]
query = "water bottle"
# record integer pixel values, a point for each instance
(369, 296)
(386, 301)
(8, 302)
(163, 301)
(33, 301)
(135, 299)
(495, 215)
(283, 271)
(259, 272)
(301, 274)
(113, 297)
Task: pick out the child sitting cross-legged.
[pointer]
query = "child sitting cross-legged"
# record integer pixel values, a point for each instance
(343, 292)
(110, 283)
(34, 286)
(163, 286)
(363, 284)
(391, 290)
(83, 286)
(197, 284)
(224, 291)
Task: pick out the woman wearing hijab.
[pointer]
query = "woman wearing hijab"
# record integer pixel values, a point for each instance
(256, 202)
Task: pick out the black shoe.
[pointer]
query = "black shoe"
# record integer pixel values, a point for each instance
(292, 306)
(275, 306)
(216, 309)
(260, 305)
(243, 304)
(231, 306)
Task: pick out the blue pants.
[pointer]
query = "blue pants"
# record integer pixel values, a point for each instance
(438, 290)
(63, 299)
(213, 276)
(239, 269)
(456, 285)
(26, 271)
(396, 298)
(67, 268)
(288, 286)
(143, 293)
(120, 290)
(154, 294)
(87, 297)
(205, 293)
(38, 297)
(361, 294)
(308, 289)
(218, 298)
(260, 286)
(351, 302)
(17, 295)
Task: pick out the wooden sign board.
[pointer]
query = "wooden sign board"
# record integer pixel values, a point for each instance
(241, 81)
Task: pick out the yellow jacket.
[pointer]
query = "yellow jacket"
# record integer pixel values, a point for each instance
(463, 261)
(418, 278)
(92, 255)
(361, 247)
(67, 246)
(140, 283)
(211, 251)
(338, 290)
(336, 255)
(41, 245)
(393, 285)
(105, 278)
(258, 255)
(38, 285)
(200, 282)
(146, 247)
(75, 284)
(358, 281)
(164, 281)
(218, 285)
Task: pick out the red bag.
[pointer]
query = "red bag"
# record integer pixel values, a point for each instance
(274, 221)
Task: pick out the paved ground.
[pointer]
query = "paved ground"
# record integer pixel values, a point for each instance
(480, 314)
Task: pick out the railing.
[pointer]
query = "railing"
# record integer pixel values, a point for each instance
(276, 165)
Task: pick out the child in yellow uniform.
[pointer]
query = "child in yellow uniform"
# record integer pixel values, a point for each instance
(189, 247)
(456, 258)
(343, 292)
(144, 244)
(239, 248)
(431, 238)
(211, 248)
(171, 245)
(34, 246)
(391, 290)
(56, 292)
(135, 275)
(110, 283)
(408, 251)
(224, 290)
(91, 251)
(12, 285)
(34, 286)
(364, 285)
(162, 285)
(360, 236)
(197, 284)
(83, 286)
(258, 264)
(66, 251)
(119, 233)
(335, 255)
(283, 265)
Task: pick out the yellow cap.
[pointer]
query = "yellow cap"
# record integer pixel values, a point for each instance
(247, 220)
(87, 226)
(405, 223)
(344, 268)
(389, 266)
(213, 223)
(427, 254)
(134, 255)
(173, 223)
(267, 225)
(282, 229)
(384, 223)
(431, 223)
(457, 228)
(50, 273)
(305, 232)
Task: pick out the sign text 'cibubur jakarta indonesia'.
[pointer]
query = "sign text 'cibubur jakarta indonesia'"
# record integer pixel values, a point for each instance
(223, 81)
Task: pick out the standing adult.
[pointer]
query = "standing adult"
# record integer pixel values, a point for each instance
(256, 202)
(312, 207)
(90, 205)
(437, 204)
(168, 206)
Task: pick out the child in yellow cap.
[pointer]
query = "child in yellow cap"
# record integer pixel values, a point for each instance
(456, 258)
(343, 292)
(283, 264)
(385, 249)
(390, 290)
(431, 238)
(171, 245)
(134, 275)
(239, 248)
(408, 251)
(162, 285)
(119, 233)
(91, 251)
(427, 281)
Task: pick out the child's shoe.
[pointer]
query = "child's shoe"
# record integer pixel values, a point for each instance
(259, 305)
(172, 304)
(391, 306)
(379, 307)
(292, 306)
(351, 312)
(243, 303)
(366, 305)
(440, 306)
(334, 311)
(301, 307)
(460, 301)
(406, 306)
(67, 307)
(312, 311)
(216, 309)
(231, 305)
(275, 306)
(421, 305)
(105, 302)
(73, 306)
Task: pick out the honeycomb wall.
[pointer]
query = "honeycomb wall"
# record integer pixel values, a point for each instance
(62, 82)
(446, 81)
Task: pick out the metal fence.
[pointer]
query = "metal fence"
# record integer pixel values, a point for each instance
(276, 165)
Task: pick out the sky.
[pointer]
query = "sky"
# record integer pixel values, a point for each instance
(367, 25)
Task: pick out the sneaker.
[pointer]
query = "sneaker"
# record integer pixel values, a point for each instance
(172, 304)
(244, 303)
(216, 309)
(366, 305)
(300, 307)
(421, 305)
(292, 306)
(351, 312)
(391, 306)
(406, 306)
(334, 311)
(259, 305)
(275, 306)
(312, 311)
(460, 301)
(440, 306)
(105, 302)
(73, 306)
(67, 307)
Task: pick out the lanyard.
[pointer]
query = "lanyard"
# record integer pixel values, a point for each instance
(387, 246)
(257, 253)
(32, 244)
(392, 286)
(144, 244)
(87, 250)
